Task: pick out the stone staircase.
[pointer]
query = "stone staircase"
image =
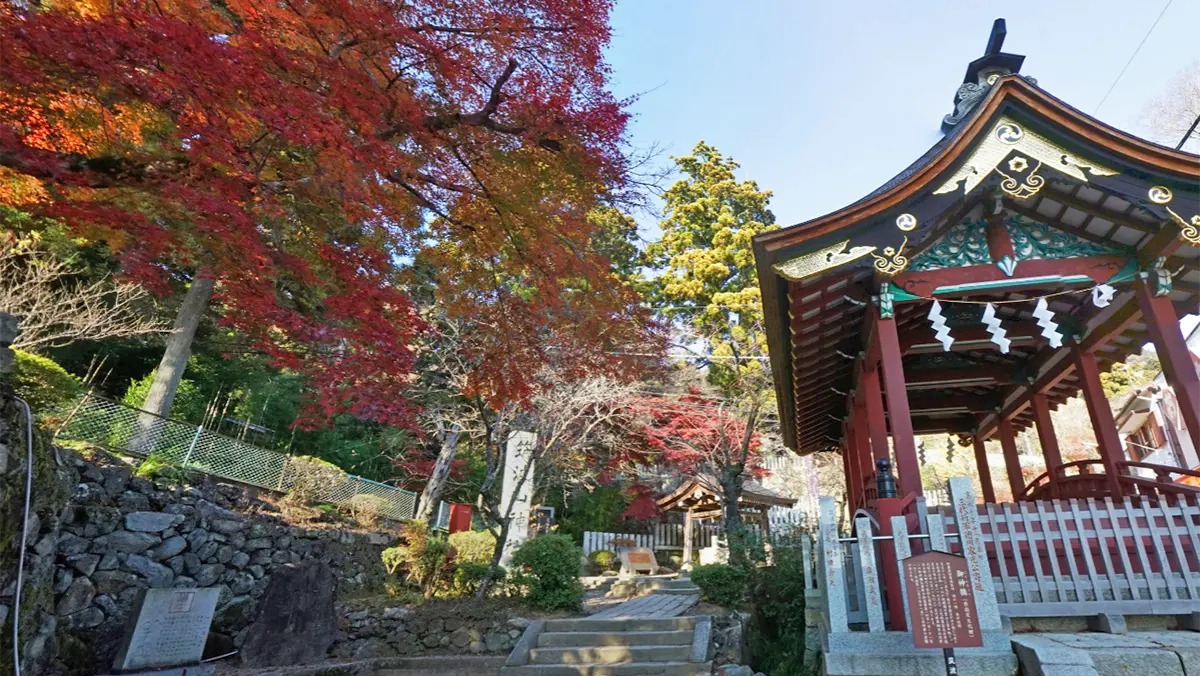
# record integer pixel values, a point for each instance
(676, 586)
(663, 646)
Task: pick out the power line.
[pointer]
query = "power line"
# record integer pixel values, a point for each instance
(1131, 57)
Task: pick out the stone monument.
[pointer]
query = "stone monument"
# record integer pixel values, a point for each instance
(169, 631)
(517, 490)
(636, 560)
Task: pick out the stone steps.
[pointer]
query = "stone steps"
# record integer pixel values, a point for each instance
(567, 639)
(634, 646)
(626, 669)
(611, 654)
(679, 586)
(586, 624)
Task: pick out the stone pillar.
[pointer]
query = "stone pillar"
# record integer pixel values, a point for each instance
(517, 490)
(1049, 442)
(1103, 423)
(1012, 462)
(985, 472)
(688, 524)
(897, 404)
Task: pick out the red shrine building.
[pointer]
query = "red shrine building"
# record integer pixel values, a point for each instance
(1027, 252)
(999, 275)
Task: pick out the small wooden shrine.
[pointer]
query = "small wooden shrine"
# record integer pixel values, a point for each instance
(701, 498)
(999, 275)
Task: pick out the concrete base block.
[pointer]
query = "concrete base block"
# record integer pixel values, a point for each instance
(194, 670)
(975, 662)
(1040, 656)
(1108, 623)
(1189, 622)
(1110, 662)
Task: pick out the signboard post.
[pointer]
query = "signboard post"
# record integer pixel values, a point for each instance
(941, 605)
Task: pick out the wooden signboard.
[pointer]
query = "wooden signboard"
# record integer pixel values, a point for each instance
(941, 605)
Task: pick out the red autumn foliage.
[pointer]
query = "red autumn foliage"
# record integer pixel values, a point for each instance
(698, 435)
(296, 151)
(643, 506)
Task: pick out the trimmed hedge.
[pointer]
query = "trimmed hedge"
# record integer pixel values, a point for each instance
(43, 383)
(721, 583)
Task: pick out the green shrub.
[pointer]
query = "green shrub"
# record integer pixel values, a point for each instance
(467, 576)
(603, 560)
(551, 566)
(422, 557)
(43, 383)
(367, 509)
(311, 479)
(473, 546)
(188, 405)
(599, 510)
(721, 583)
(153, 468)
(777, 634)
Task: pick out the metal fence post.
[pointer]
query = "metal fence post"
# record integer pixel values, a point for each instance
(187, 459)
(82, 401)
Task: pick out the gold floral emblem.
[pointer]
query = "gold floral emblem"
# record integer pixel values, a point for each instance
(1018, 164)
(892, 260)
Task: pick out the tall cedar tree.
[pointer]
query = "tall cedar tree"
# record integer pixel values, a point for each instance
(709, 289)
(288, 154)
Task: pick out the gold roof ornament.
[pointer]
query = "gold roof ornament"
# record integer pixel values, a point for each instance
(1005, 138)
(821, 260)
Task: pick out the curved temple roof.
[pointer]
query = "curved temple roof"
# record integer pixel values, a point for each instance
(1084, 202)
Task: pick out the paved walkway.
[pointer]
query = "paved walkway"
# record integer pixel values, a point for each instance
(652, 605)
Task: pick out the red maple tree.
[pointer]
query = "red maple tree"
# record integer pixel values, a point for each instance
(296, 151)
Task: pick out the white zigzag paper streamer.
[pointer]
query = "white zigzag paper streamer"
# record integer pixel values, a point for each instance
(1102, 295)
(940, 330)
(994, 328)
(1045, 319)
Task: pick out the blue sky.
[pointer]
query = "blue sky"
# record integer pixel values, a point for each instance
(821, 102)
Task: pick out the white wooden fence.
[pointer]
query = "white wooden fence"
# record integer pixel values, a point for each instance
(1062, 558)
(1084, 557)
(669, 536)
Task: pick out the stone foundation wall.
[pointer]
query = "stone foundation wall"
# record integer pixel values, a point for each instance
(437, 628)
(119, 533)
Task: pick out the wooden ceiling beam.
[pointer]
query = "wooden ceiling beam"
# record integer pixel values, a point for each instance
(1098, 211)
(921, 340)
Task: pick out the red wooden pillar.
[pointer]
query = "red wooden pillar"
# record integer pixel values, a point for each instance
(850, 467)
(985, 472)
(903, 443)
(873, 398)
(1012, 463)
(1103, 423)
(1045, 431)
(866, 466)
(1174, 355)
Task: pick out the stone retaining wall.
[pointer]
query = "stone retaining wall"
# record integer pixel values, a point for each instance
(433, 629)
(120, 533)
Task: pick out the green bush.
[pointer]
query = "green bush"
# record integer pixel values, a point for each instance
(473, 546)
(43, 383)
(550, 565)
(721, 583)
(188, 405)
(603, 560)
(467, 576)
(424, 558)
(599, 510)
(777, 622)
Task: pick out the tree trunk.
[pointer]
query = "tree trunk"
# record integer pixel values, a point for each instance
(436, 484)
(173, 364)
(735, 531)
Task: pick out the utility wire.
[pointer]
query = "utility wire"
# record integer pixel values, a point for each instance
(1132, 56)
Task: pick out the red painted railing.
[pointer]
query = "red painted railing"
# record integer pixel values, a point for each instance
(1085, 482)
